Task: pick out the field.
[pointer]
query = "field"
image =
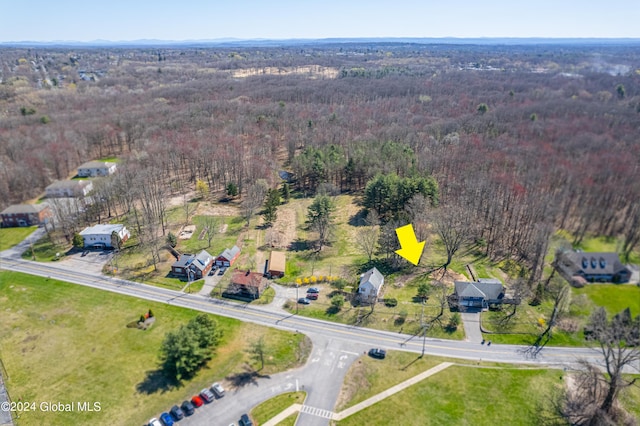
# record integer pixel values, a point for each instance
(9, 237)
(67, 345)
(272, 407)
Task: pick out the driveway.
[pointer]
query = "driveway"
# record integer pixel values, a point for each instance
(471, 322)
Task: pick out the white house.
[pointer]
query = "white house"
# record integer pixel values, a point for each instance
(371, 283)
(99, 236)
(69, 188)
(96, 168)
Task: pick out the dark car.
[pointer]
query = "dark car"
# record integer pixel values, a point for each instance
(84, 253)
(207, 395)
(312, 296)
(222, 271)
(377, 353)
(245, 420)
(313, 290)
(188, 408)
(197, 401)
(304, 301)
(177, 413)
(166, 419)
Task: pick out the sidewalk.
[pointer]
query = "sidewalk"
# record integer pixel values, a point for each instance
(366, 403)
(5, 416)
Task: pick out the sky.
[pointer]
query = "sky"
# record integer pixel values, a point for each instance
(120, 20)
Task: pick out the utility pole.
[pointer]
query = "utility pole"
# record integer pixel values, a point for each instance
(297, 285)
(424, 330)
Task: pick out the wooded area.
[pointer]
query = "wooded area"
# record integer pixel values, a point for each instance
(513, 142)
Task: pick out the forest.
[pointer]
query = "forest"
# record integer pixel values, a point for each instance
(510, 143)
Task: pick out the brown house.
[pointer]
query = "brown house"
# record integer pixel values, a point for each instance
(275, 265)
(247, 284)
(25, 215)
(192, 267)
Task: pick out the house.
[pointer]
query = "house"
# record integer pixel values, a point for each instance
(580, 267)
(275, 265)
(228, 256)
(69, 188)
(25, 215)
(99, 236)
(478, 294)
(96, 168)
(247, 284)
(371, 283)
(193, 266)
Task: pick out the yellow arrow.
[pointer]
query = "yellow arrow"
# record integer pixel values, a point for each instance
(411, 248)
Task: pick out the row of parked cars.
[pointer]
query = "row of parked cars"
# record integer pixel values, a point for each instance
(221, 270)
(312, 294)
(187, 408)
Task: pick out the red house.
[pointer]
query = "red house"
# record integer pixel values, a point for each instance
(228, 256)
(25, 215)
(247, 284)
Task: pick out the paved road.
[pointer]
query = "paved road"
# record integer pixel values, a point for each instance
(336, 346)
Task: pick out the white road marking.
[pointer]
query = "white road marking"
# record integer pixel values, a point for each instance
(350, 353)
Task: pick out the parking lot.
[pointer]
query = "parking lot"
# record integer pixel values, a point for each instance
(92, 262)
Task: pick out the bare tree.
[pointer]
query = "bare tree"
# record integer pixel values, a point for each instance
(211, 228)
(561, 294)
(254, 198)
(367, 236)
(452, 226)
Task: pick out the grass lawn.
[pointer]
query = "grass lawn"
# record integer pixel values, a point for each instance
(613, 297)
(9, 237)
(45, 250)
(274, 406)
(71, 343)
(289, 421)
(461, 395)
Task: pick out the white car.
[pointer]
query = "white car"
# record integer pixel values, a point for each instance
(217, 389)
(154, 422)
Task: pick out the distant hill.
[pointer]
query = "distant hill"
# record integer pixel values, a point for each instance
(324, 41)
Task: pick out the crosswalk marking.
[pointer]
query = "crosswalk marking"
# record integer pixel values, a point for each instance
(318, 412)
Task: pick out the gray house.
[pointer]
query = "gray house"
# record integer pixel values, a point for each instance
(580, 267)
(193, 266)
(371, 283)
(479, 294)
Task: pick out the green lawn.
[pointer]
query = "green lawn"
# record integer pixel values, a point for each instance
(613, 297)
(9, 237)
(64, 342)
(468, 395)
(46, 249)
(274, 406)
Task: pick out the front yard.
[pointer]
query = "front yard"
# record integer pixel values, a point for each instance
(9, 237)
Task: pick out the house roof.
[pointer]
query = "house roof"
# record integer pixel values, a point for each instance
(277, 261)
(69, 184)
(184, 260)
(96, 165)
(202, 260)
(247, 278)
(591, 263)
(102, 229)
(230, 253)
(374, 277)
(490, 290)
(24, 208)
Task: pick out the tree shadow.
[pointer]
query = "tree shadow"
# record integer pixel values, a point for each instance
(300, 245)
(157, 381)
(359, 219)
(247, 377)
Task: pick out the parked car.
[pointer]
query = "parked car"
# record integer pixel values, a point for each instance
(207, 395)
(177, 412)
(222, 270)
(245, 420)
(313, 290)
(197, 401)
(188, 408)
(154, 422)
(304, 301)
(166, 419)
(377, 353)
(84, 253)
(312, 296)
(217, 389)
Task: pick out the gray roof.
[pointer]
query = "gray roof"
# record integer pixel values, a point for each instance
(184, 260)
(96, 165)
(230, 253)
(374, 277)
(593, 263)
(24, 208)
(484, 290)
(69, 184)
(102, 229)
(202, 260)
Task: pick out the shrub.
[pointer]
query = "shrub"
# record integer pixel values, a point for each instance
(150, 313)
(337, 302)
(313, 280)
(298, 281)
(391, 303)
(141, 318)
(339, 284)
(172, 240)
